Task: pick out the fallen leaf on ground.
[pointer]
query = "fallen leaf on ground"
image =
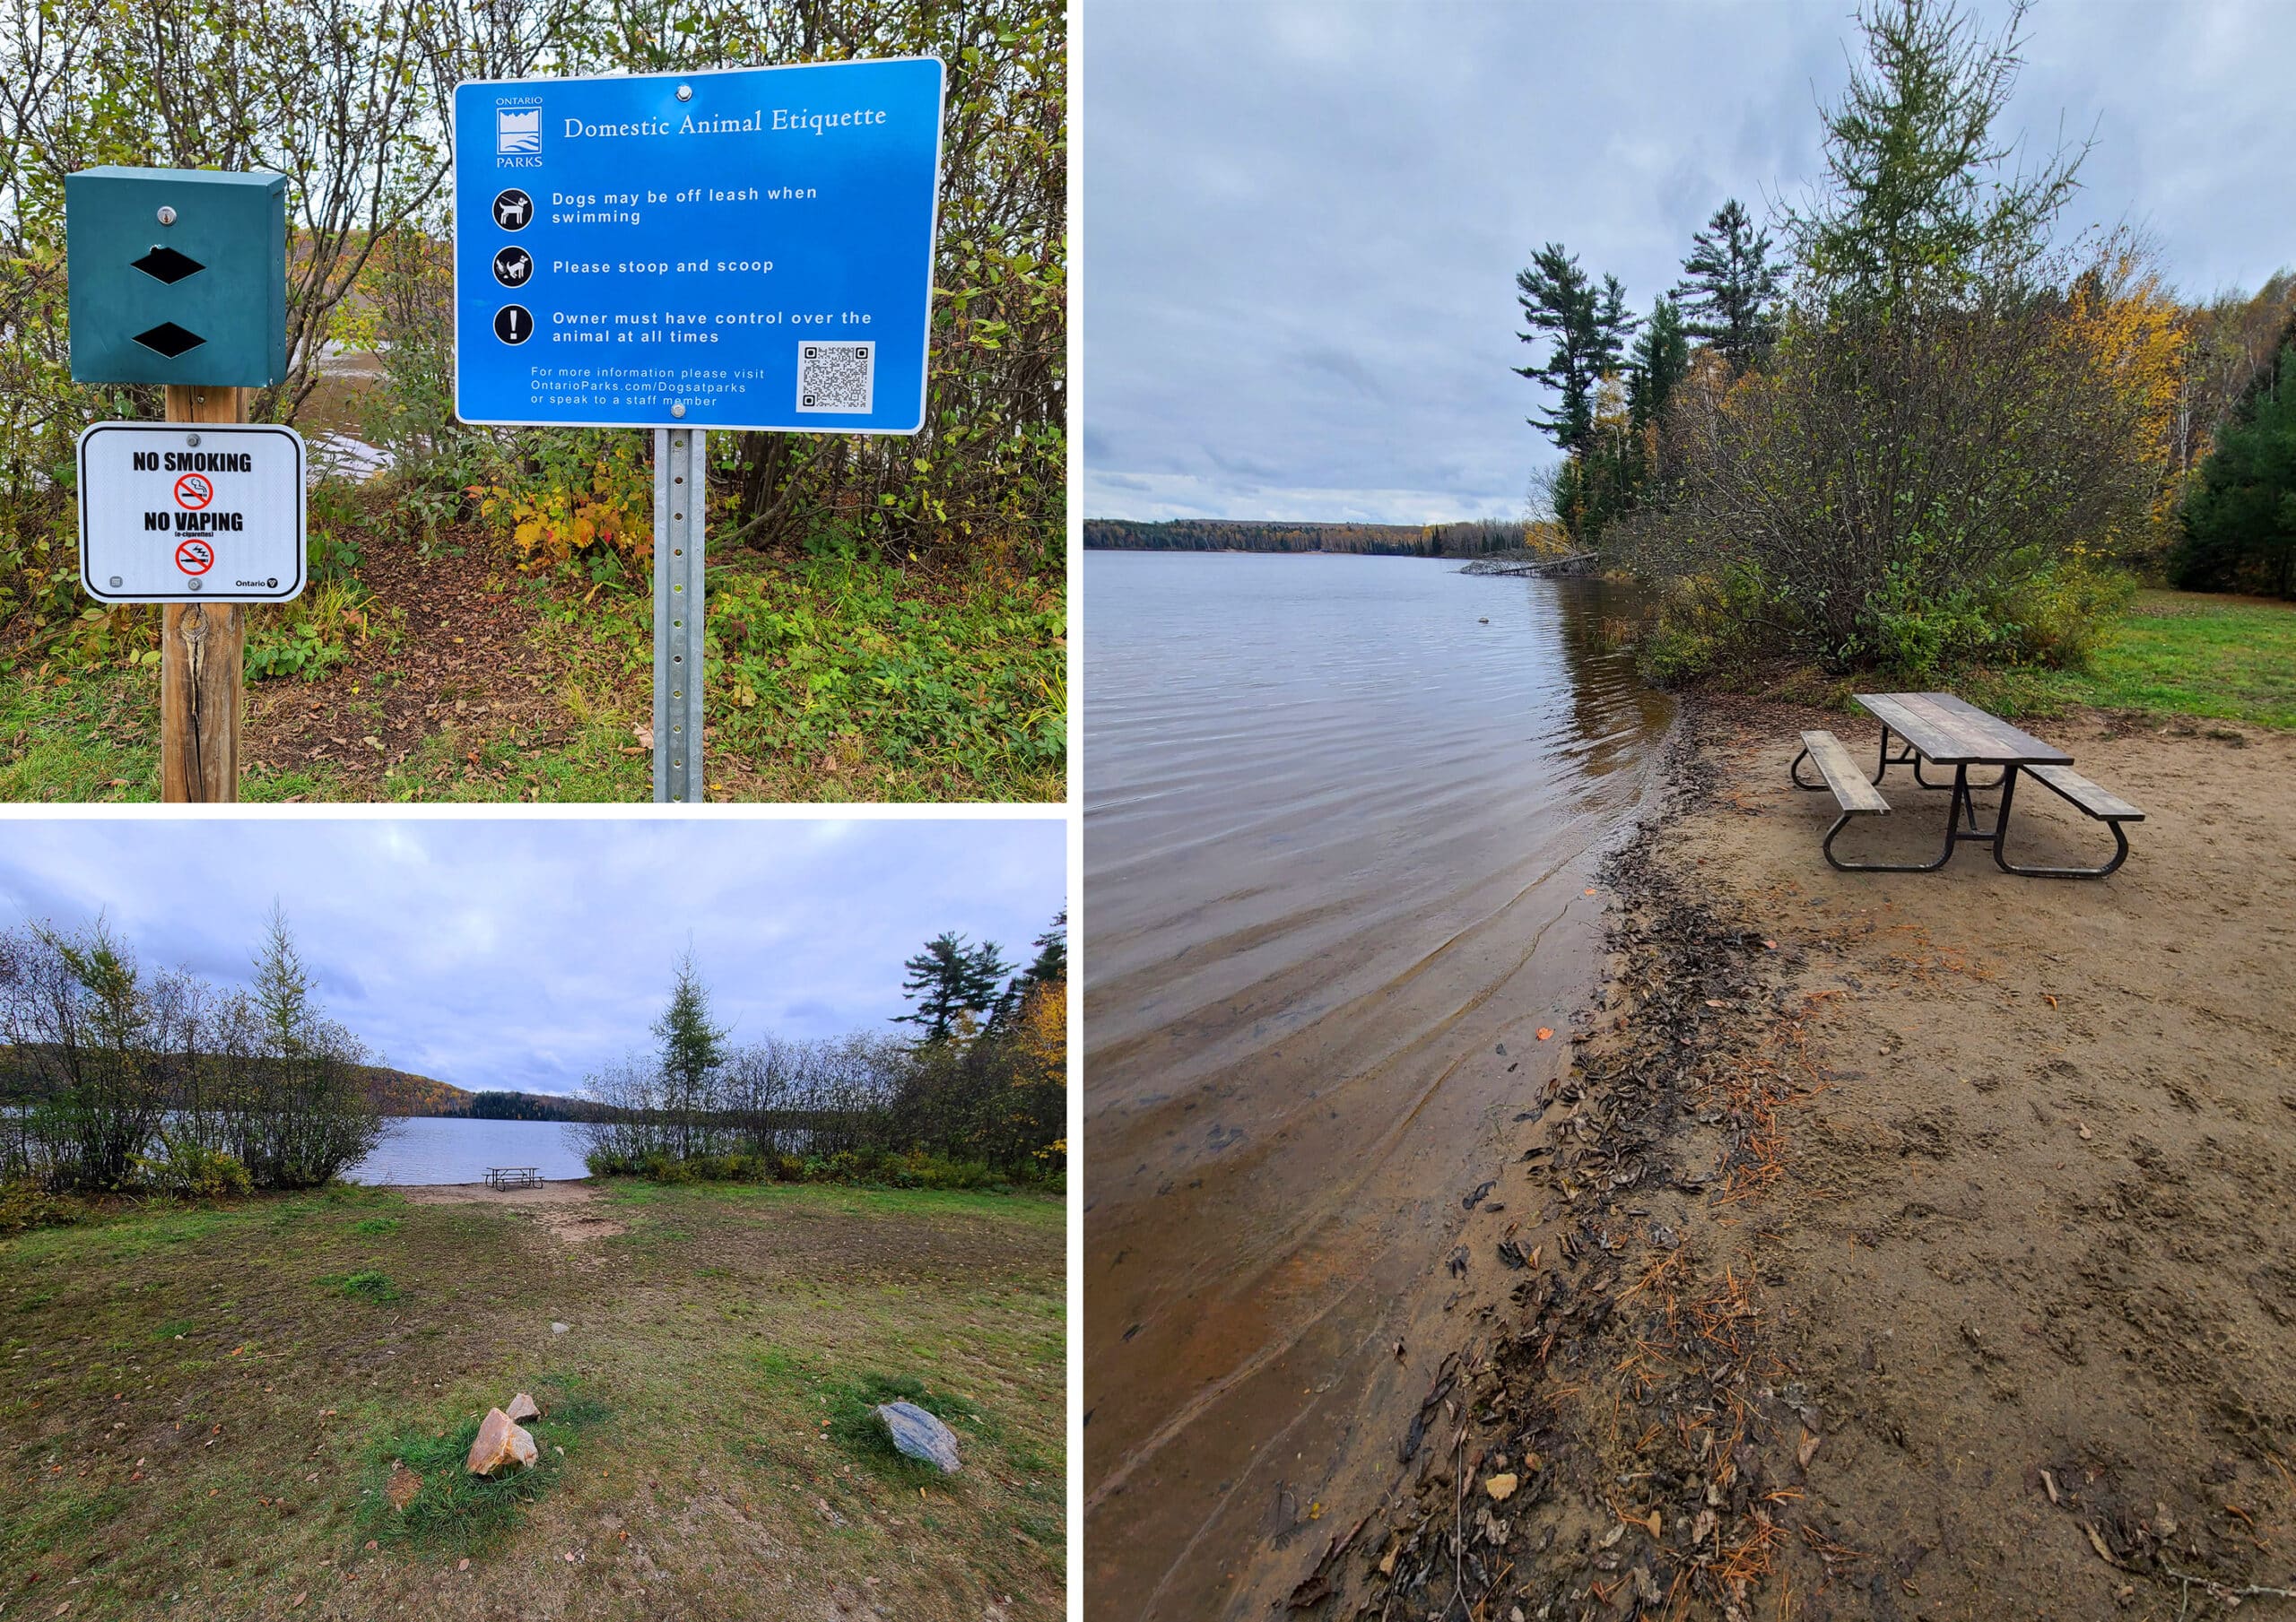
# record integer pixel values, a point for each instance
(1545, 1031)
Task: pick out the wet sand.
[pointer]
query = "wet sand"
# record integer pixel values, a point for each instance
(1902, 1245)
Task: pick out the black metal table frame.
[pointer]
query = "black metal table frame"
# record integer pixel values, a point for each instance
(1962, 808)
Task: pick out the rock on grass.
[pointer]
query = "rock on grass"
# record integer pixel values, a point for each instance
(920, 1436)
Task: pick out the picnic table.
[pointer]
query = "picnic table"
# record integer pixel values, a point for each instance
(513, 1176)
(1942, 730)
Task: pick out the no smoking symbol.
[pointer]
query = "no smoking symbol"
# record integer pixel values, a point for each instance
(194, 490)
(195, 557)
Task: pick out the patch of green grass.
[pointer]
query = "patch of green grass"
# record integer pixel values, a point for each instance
(365, 1284)
(72, 735)
(454, 1511)
(855, 678)
(376, 1225)
(81, 735)
(589, 765)
(2175, 653)
(853, 1424)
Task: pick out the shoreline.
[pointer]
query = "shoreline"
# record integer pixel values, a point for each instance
(1769, 1311)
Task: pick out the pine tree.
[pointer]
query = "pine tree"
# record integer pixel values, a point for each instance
(1052, 952)
(1050, 967)
(1731, 288)
(2240, 517)
(948, 979)
(1661, 357)
(283, 986)
(1589, 327)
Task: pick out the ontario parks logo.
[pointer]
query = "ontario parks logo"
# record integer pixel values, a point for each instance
(518, 132)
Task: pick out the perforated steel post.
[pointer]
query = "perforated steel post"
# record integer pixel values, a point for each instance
(680, 460)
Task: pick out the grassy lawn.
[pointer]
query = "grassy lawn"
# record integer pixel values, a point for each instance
(829, 679)
(2215, 657)
(209, 1411)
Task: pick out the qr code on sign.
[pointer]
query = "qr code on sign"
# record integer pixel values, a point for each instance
(836, 376)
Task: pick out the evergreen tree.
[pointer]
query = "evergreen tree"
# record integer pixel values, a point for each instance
(1730, 287)
(692, 1050)
(1052, 952)
(949, 979)
(1661, 357)
(1588, 326)
(2239, 519)
(283, 986)
(1917, 203)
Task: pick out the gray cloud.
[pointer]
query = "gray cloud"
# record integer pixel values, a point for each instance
(1303, 221)
(524, 954)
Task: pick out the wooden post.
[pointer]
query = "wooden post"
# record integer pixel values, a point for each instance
(201, 657)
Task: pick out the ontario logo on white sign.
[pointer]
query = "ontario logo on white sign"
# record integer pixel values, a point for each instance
(518, 132)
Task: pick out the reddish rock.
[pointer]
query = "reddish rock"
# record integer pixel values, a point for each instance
(500, 1445)
(522, 1409)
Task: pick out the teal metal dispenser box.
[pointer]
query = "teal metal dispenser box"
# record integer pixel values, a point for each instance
(177, 275)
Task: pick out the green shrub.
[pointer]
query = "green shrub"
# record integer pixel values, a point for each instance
(25, 1205)
(191, 1171)
(453, 1510)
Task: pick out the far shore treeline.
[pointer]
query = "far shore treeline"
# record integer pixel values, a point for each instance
(1472, 538)
(117, 1079)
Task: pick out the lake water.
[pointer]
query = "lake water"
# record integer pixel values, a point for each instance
(432, 1149)
(1341, 815)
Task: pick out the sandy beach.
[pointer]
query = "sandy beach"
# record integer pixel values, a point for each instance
(1898, 1246)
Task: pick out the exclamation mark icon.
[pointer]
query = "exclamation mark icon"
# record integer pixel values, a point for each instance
(514, 323)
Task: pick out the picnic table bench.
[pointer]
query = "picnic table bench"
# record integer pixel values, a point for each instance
(513, 1176)
(1942, 730)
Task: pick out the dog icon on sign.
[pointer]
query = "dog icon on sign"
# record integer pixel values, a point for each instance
(512, 209)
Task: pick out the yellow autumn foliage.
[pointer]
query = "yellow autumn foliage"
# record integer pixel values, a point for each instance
(2134, 332)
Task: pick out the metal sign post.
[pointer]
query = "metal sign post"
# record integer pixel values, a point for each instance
(747, 249)
(680, 464)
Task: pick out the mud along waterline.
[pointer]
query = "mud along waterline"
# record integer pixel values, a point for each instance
(1341, 814)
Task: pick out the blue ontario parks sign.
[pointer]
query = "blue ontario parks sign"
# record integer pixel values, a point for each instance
(750, 248)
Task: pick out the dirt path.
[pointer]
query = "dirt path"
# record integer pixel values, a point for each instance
(466, 664)
(1902, 1246)
(569, 1210)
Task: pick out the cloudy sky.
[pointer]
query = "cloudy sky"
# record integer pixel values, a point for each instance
(524, 954)
(1303, 221)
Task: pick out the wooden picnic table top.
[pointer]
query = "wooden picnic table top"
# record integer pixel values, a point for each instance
(1952, 731)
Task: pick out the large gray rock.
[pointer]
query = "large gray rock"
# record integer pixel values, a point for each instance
(920, 1436)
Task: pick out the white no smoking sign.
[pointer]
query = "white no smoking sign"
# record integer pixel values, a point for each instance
(183, 512)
